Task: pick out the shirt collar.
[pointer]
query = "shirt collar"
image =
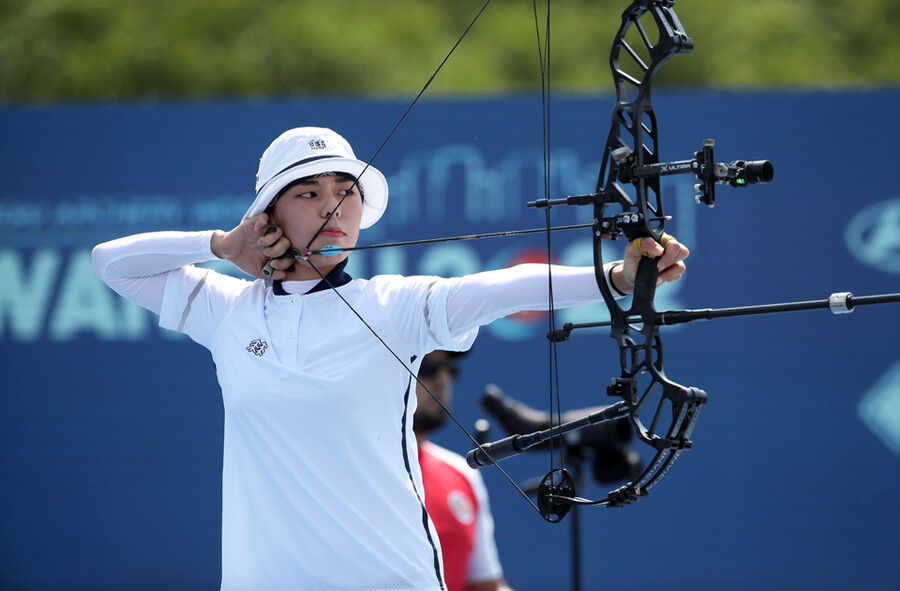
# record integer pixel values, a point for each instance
(336, 278)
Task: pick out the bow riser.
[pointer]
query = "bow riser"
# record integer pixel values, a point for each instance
(632, 143)
(633, 136)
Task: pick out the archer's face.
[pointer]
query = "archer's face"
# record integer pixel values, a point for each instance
(302, 210)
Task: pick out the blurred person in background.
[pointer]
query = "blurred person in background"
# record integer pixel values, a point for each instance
(455, 494)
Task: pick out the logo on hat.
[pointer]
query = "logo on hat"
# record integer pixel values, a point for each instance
(317, 144)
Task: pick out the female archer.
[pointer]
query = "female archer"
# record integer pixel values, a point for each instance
(321, 487)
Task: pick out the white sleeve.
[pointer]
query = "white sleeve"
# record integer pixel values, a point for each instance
(484, 562)
(481, 298)
(420, 305)
(136, 266)
(155, 270)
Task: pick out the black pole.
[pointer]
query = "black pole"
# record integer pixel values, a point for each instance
(576, 548)
(575, 460)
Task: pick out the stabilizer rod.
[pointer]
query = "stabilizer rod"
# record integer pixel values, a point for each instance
(838, 303)
(491, 453)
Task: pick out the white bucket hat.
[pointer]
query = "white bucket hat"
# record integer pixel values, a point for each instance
(307, 151)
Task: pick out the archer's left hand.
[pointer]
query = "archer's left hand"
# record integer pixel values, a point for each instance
(669, 256)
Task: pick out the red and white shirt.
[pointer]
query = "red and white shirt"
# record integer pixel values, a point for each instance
(457, 503)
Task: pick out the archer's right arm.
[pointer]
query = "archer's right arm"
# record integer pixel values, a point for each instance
(157, 271)
(137, 267)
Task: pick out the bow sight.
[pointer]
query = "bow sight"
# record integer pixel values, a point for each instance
(738, 173)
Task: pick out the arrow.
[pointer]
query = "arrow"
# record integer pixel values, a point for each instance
(330, 249)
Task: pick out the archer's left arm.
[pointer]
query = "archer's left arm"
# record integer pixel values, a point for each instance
(481, 298)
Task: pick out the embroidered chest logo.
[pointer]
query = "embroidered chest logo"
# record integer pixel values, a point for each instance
(257, 347)
(317, 144)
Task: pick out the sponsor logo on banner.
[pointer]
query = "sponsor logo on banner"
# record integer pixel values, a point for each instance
(873, 236)
(879, 409)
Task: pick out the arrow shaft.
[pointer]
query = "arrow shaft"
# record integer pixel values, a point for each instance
(448, 239)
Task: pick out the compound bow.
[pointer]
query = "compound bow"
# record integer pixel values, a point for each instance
(628, 203)
(662, 412)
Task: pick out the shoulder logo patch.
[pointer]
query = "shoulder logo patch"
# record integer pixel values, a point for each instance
(461, 507)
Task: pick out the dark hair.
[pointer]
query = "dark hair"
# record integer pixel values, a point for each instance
(305, 179)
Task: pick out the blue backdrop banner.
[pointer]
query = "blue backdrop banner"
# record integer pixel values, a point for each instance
(111, 428)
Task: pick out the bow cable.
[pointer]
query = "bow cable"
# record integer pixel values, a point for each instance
(555, 404)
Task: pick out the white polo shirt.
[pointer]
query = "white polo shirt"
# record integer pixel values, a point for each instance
(321, 484)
